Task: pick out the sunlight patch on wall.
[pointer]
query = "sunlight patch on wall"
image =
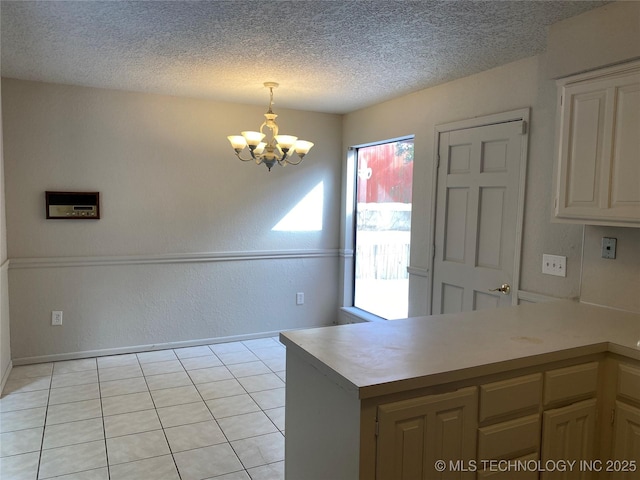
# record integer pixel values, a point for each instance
(306, 216)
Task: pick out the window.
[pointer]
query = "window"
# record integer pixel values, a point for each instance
(383, 228)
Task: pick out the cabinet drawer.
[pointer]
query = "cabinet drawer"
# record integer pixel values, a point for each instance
(629, 382)
(509, 439)
(571, 383)
(524, 470)
(516, 395)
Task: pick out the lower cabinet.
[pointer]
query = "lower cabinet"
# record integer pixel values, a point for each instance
(478, 432)
(526, 420)
(626, 437)
(512, 474)
(569, 435)
(414, 434)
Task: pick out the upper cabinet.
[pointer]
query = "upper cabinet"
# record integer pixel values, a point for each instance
(598, 147)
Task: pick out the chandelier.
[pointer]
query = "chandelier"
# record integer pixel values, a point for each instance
(277, 148)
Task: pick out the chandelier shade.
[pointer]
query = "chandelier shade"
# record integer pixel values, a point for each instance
(276, 149)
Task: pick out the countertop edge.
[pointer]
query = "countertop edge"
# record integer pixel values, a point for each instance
(319, 365)
(306, 347)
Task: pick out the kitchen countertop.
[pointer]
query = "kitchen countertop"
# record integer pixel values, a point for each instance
(372, 359)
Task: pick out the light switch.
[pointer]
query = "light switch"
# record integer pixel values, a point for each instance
(554, 265)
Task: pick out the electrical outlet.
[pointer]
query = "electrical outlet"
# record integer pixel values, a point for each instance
(300, 298)
(56, 317)
(554, 265)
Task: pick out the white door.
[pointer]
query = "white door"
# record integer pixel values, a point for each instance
(477, 217)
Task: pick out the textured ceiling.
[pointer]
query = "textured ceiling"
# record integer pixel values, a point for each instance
(328, 56)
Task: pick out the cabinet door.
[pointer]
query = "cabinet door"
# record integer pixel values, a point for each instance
(626, 447)
(414, 433)
(568, 434)
(598, 169)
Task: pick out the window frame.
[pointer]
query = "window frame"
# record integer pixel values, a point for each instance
(349, 313)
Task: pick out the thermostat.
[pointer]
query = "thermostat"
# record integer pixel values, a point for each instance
(73, 205)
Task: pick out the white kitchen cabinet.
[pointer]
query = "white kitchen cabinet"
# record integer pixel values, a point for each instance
(598, 147)
(626, 447)
(626, 443)
(414, 434)
(568, 434)
(509, 415)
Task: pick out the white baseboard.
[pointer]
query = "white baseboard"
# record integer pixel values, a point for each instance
(5, 376)
(536, 297)
(138, 348)
(348, 315)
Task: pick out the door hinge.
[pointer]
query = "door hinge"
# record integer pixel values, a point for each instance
(438, 161)
(524, 127)
(613, 415)
(377, 429)
(561, 100)
(433, 251)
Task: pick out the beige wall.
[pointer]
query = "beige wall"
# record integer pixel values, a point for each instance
(510, 87)
(600, 37)
(526, 83)
(612, 282)
(185, 248)
(5, 337)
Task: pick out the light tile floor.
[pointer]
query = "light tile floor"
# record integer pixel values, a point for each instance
(194, 413)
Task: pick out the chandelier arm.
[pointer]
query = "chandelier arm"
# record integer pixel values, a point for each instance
(245, 159)
(294, 163)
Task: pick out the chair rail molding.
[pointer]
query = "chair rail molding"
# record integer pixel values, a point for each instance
(199, 257)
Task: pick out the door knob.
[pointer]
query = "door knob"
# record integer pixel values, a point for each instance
(504, 289)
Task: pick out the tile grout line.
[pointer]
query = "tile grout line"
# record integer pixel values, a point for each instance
(139, 364)
(104, 429)
(44, 425)
(155, 408)
(216, 420)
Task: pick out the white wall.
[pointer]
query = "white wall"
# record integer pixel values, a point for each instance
(185, 248)
(526, 83)
(5, 337)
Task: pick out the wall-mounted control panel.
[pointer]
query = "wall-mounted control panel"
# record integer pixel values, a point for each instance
(73, 205)
(609, 247)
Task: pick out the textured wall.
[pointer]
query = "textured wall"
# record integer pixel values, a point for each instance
(170, 188)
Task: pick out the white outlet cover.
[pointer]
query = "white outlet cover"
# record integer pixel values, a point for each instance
(56, 317)
(554, 265)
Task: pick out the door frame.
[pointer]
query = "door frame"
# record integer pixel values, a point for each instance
(483, 121)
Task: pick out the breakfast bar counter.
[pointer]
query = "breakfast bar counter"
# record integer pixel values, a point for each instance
(339, 377)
